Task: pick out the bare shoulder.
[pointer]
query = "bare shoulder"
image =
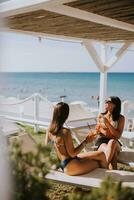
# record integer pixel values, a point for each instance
(99, 115)
(66, 131)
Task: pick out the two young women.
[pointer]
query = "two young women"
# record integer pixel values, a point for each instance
(72, 161)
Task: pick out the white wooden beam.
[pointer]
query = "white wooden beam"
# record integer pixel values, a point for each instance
(95, 56)
(15, 7)
(45, 35)
(118, 55)
(88, 16)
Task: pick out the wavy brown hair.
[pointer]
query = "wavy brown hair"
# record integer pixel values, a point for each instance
(60, 114)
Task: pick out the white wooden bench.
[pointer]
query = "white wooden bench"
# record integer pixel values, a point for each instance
(94, 178)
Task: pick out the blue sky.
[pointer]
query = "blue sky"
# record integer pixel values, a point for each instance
(23, 53)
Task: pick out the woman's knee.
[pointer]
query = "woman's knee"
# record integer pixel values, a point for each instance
(112, 143)
(102, 147)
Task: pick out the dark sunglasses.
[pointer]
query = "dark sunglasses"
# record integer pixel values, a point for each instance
(108, 101)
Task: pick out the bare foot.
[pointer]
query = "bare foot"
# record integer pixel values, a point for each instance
(110, 166)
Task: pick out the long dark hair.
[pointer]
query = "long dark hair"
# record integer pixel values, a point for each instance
(117, 109)
(60, 114)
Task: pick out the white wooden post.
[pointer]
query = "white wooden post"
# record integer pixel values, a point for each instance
(103, 90)
(103, 79)
(124, 111)
(36, 111)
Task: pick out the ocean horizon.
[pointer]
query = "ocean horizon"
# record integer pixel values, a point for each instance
(76, 86)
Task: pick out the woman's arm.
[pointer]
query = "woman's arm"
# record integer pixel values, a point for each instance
(101, 127)
(72, 151)
(115, 132)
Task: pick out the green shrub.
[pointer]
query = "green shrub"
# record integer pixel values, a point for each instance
(109, 190)
(29, 170)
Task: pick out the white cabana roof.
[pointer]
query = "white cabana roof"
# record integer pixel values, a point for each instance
(107, 20)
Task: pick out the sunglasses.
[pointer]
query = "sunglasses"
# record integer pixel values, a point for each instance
(108, 101)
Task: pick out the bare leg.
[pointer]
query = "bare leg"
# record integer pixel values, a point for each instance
(114, 159)
(95, 155)
(110, 150)
(104, 147)
(79, 167)
(113, 164)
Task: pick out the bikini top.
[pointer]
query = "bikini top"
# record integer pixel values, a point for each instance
(59, 145)
(56, 144)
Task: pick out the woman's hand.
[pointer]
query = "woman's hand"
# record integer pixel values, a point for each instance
(106, 122)
(90, 137)
(97, 128)
(101, 128)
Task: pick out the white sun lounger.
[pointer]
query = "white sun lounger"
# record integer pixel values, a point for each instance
(94, 178)
(127, 139)
(79, 117)
(79, 113)
(127, 154)
(126, 157)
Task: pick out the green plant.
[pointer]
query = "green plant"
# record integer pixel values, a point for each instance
(29, 170)
(109, 190)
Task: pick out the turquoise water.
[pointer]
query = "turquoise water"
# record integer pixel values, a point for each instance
(75, 86)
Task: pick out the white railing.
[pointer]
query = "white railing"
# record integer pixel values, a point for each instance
(15, 110)
(37, 110)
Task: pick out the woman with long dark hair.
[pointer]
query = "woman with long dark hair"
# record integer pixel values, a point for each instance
(72, 161)
(110, 127)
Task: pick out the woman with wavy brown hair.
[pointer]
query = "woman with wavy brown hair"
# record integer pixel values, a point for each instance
(72, 161)
(110, 127)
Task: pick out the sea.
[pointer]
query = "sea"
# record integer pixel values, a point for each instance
(74, 86)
